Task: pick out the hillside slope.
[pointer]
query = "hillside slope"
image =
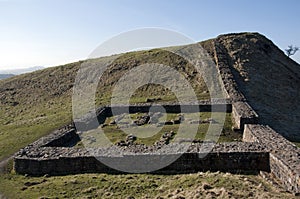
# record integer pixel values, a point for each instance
(33, 104)
(269, 80)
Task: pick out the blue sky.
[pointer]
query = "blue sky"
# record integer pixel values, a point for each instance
(53, 32)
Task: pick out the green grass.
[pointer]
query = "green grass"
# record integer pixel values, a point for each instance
(18, 130)
(148, 134)
(139, 186)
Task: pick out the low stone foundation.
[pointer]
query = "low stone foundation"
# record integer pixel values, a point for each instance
(91, 121)
(284, 155)
(227, 157)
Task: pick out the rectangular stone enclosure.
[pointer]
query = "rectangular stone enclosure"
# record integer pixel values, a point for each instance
(263, 150)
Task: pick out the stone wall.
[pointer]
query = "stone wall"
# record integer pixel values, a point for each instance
(242, 113)
(90, 121)
(284, 155)
(223, 64)
(68, 138)
(229, 157)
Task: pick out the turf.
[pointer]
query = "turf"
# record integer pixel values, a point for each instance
(198, 185)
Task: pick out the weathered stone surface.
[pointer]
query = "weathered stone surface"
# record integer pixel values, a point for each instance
(230, 86)
(142, 120)
(63, 160)
(243, 114)
(284, 155)
(268, 79)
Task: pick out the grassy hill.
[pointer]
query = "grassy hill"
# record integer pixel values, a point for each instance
(34, 104)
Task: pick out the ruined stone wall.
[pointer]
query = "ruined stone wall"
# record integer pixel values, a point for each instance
(235, 157)
(90, 121)
(66, 139)
(284, 155)
(242, 113)
(204, 106)
(223, 65)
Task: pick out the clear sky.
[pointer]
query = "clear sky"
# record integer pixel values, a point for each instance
(53, 32)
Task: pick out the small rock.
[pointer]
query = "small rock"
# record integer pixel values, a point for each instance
(194, 122)
(251, 194)
(113, 122)
(46, 176)
(131, 137)
(103, 125)
(89, 190)
(206, 186)
(259, 186)
(179, 197)
(103, 180)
